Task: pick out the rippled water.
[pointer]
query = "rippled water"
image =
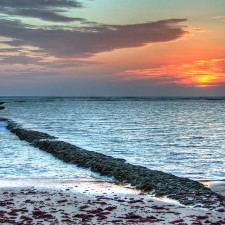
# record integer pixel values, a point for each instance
(20, 160)
(185, 137)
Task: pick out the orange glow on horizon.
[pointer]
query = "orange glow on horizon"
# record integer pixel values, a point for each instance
(199, 73)
(202, 78)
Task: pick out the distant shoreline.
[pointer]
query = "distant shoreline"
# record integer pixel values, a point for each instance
(22, 98)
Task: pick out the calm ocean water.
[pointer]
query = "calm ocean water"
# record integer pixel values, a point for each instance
(185, 137)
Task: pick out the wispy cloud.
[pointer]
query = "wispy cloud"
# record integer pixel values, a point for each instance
(16, 61)
(221, 18)
(46, 15)
(50, 10)
(218, 17)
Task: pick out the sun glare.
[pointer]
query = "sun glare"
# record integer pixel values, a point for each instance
(196, 74)
(204, 73)
(203, 78)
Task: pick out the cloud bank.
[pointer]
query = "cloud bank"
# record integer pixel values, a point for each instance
(88, 40)
(77, 40)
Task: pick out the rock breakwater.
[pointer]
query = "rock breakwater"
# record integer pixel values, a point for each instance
(186, 191)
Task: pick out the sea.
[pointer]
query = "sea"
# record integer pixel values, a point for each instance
(181, 136)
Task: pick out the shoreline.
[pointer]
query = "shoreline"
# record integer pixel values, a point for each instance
(68, 201)
(184, 190)
(217, 186)
(87, 202)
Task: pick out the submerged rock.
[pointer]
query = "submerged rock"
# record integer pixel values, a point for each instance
(2, 107)
(184, 190)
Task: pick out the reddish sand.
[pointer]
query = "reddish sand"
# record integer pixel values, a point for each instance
(86, 202)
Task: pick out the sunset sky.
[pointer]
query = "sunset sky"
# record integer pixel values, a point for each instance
(112, 47)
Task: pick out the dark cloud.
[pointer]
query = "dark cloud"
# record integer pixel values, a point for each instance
(20, 59)
(39, 3)
(46, 10)
(86, 41)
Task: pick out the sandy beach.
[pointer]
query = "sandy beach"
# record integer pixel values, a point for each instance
(88, 202)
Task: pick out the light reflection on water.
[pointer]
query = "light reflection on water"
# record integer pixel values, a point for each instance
(183, 137)
(20, 160)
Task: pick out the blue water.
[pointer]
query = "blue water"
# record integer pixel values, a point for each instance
(20, 160)
(185, 137)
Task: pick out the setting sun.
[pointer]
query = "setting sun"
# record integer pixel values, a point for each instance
(205, 80)
(199, 74)
(202, 78)
(206, 73)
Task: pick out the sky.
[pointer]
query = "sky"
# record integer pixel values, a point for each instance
(112, 48)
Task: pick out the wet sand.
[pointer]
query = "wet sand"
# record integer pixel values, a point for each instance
(216, 186)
